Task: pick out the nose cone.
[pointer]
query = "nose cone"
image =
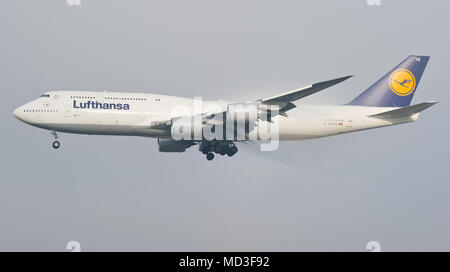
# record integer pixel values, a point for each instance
(19, 113)
(24, 114)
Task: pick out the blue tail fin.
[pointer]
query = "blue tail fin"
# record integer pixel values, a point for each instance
(397, 87)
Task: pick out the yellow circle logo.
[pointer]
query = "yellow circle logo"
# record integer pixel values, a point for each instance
(402, 82)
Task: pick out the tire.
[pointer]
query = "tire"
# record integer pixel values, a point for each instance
(210, 156)
(56, 144)
(232, 150)
(223, 151)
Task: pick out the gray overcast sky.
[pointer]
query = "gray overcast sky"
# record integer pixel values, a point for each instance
(119, 193)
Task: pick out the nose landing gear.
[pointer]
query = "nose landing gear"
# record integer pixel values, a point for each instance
(56, 144)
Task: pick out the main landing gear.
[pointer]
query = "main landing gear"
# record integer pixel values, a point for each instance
(210, 156)
(218, 147)
(56, 144)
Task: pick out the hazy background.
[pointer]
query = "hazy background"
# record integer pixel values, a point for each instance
(118, 193)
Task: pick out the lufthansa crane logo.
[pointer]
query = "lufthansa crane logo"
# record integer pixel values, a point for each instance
(402, 82)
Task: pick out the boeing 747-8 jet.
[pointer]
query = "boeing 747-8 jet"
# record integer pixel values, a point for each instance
(215, 126)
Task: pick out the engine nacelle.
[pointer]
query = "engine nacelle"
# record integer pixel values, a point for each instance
(170, 145)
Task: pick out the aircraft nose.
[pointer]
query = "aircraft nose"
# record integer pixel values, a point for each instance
(18, 113)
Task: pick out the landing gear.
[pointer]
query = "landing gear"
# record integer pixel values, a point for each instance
(223, 150)
(232, 150)
(208, 148)
(210, 156)
(56, 144)
(204, 148)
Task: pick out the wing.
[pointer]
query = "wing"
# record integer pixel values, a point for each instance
(284, 101)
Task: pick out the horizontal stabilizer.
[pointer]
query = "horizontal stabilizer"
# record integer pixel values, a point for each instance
(404, 112)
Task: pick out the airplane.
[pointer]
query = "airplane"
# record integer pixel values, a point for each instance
(385, 103)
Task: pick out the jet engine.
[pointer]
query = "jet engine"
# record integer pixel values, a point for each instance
(170, 145)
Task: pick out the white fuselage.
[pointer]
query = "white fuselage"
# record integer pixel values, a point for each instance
(133, 114)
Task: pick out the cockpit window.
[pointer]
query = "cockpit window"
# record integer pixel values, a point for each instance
(45, 95)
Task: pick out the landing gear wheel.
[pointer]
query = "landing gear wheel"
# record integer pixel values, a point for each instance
(210, 156)
(56, 144)
(232, 150)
